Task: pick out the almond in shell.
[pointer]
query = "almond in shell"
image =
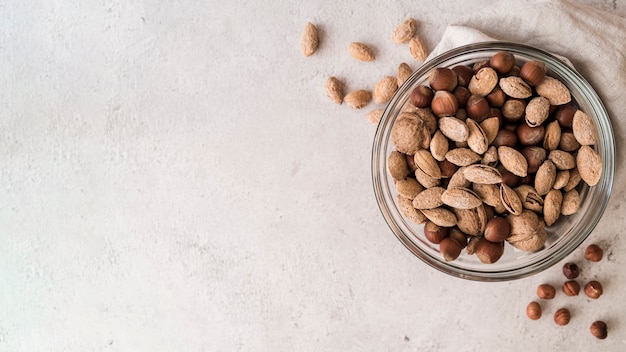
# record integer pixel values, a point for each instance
(513, 161)
(408, 188)
(477, 138)
(531, 200)
(460, 198)
(573, 180)
(404, 72)
(589, 165)
(440, 216)
(358, 99)
(552, 136)
(404, 31)
(424, 160)
(515, 87)
(545, 177)
(426, 180)
(571, 202)
(453, 128)
(384, 89)
(490, 126)
(554, 90)
(482, 174)
(562, 159)
(510, 200)
(583, 128)
(483, 82)
(429, 198)
(417, 48)
(523, 225)
(562, 178)
(407, 134)
(471, 221)
(406, 208)
(552, 206)
(462, 156)
(439, 146)
(397, 166)
(458, 179)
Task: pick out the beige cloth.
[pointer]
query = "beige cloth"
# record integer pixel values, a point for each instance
(593, 40)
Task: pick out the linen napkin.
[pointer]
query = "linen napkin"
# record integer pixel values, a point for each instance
(593, 40)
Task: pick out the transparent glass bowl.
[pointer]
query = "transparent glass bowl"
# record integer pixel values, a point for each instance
(563, 237)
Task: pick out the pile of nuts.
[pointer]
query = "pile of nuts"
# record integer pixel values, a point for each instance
(593, 289)
(490, 154)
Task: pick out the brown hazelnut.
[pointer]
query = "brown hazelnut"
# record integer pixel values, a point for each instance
(435, 233)
(598, 329)
(464, 74)
(502, 62)
(562, 317)
(422, 96)
(480, 65)
(505, 137)
(533, 310)
(593, 289)
(568, 141)
(450, 249)
(458, 236)
(497, 97)
(565, 115)
(571, 270)
(535, 157)
(593, 253)
(533, 72)
(489, 252)
(443, 78)
(508, 178)
(571, 288)
(477, 107)
(546, 291)
(497, 229)
(444, 103)
(527, 135)
(447, 168)
(410, 162)
(462, 94)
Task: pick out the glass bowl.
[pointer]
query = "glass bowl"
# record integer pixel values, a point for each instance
(563, 237)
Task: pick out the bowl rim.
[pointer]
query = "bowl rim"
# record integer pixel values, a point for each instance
(601, 116)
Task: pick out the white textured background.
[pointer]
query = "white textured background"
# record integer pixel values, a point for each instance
(173, 178)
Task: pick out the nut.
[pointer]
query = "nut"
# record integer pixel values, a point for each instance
(552, 206)
(568, 142)
(545, 177)
(497, 230)
(573, 181)
(546, 291)
(598, 329)
(505, 137)
(571, 270)
(407, 133)
(408, 188)
(562, 177)
(361, 52)
(440, 216)
(444, 103)
(583, 128)
(425, 161)
(565, 115)
(496, 98)
(397, 166)
(593, 289)
(513, 161)
(515, 87)
(447, 168)
(533, 310)
(531, 200)
(537, 111)
(594, 253)
(502, 62)
(374, 116)
(417, 48)
(562, 160)
(430, 198)
(510, 200)
(489, 252)
(533, 72)
(471, 221)
(439, 146)
(404, 72)
(571, 202)
(460, 198)
(458, 236)
(422, 96)
(553, 89)
(589, 165)
(384, 89)
(528, 135)
(450, 249)
(453, 128)
(477, 107)
(442, 78)
(552, 137)
(483, 81)
(571, 288)
(358, 99)
(462, 94)
(477, 138)
(562, 317)
(481, 174)
(435, 233)
(407, 209)
(310, 40)
(334, 90)
(514, 109)
(535, 156)
(491, 126)
(404, 31)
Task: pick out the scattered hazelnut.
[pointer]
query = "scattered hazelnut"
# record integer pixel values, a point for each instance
(435, 233)
(571, 288)
(593, 289)
(443, 78)
(571, 270)
(502, 62)
(533, 72)
(444, 103)
(464, 74)
(450, 249)
(562, 317)
(422, 96)
(497, 229)
(477, 107)
(489, 252)
(533, 310)
(546, 291)
(593, 253)
(598, 329)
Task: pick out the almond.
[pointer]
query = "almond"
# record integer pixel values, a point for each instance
(440, 216)
(462, 156)
(552, 136)
(460, 198)
(417, 48)
(491, 126)
(589, 165)
(425, 161)
(407, 209)
(515, 87)
(374, 116)
(309, 40)
(453, 128)
(404, 31)
(334, 90)
(407, 133)
(482, 174)
(553, 89)
(510, 199)
(397, 166)
(563, 160)
(537, 111)
(439, 146)
(404, 72)
(361, 52)
(426, 180)
(458, 179)
(571, 202)
(530, 198)
(583, 128)
(513, 161)
(483, 82)
(573, 181)
(471, 221)
(477, 138)
(384, 89)
(545, 177)
(429, 198)
(358, 99)
(408, 188)
(552, 206)
(562, 178)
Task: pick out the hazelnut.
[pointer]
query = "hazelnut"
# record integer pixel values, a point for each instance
(410, 162)
(489, 252)
(505, 137)
(565, 115)
(496, 98)
(450, 249)
(571, 270)
(464, 74)
(422, 96)
(508, 178)
(593, 289)
(546, 291)
(527, 135)
(477, 107)
(533, 72)
(535, 157)
(497, 229)
(562, 317)
(480, 65)
(458, 236)
(571, 288)
(443, 78)
(502, 62)
(593, 253)
(598, 329)
(447, 168)
(444, 104)
(533, 310)
(435, 233)
(462, 94)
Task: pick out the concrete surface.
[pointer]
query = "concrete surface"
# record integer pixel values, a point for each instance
(174, 179)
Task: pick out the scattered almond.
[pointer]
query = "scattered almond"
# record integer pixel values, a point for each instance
(404, 31)
(384, 89)
(404, 72)
(310, 40)
(361, 52)
(358, 99)
(417, 48)
(374, 116)
(334, 90)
